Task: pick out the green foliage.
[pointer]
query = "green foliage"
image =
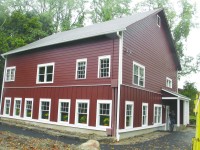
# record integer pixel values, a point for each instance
(104, 10)
(83, 119)
(190, 91)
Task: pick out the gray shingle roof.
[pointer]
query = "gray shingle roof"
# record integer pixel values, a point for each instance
(85, 32)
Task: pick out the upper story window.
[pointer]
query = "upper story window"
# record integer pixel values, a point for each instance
(158, 21)
(45, 73)
(138, 74)
(168, 82)
(104, 66)
(10, 73)
(81, 68)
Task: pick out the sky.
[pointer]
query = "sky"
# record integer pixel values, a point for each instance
(193, 49)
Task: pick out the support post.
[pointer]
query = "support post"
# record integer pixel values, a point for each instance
(178, 112)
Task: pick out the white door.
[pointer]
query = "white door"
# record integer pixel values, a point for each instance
(167, 118)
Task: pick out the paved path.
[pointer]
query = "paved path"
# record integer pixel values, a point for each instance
(173, 141)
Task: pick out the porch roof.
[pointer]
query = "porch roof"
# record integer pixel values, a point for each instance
(173, 95)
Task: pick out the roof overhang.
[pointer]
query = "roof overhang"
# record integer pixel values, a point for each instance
(174, 96)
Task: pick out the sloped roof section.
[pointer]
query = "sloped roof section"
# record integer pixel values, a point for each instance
(176, 94)
(85, 32)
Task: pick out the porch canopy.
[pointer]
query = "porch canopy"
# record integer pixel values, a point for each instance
(178, 103)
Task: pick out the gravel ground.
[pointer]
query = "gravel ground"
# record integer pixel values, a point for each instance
(14, 137)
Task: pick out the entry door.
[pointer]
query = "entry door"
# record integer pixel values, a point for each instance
(167, 117)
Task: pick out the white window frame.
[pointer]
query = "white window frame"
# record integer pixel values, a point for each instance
(4, 111)
(132, 119)
(145, 104)
(10, 68)
(25, 116)
(59, 107)
(20, 111)
(168, 82)
(140, 66)
(81, 60)
(45, 77)
(158, 21)
(99, 65)
(98, 114)
(157, 106)
(88, 111)
(44, 100)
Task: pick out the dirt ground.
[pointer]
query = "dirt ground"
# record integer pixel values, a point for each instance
(11, 141)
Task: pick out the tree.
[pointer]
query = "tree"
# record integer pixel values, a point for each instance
(180, 23)
(190, 91)
(104, 10)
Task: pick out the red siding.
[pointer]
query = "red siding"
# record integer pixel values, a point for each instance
(148, 45)
(65, 56)
(138, 97)
(73, 93)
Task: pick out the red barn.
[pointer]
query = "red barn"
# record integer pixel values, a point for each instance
(117, 77)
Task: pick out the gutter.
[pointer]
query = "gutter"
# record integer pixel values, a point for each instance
(2, 88)
(119, 81)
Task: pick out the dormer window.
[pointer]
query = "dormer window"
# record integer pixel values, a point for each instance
(158, 21)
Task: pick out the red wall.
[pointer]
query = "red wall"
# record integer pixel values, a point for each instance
(148, 45)
(65, 56)
(73, 93)
(138, 97)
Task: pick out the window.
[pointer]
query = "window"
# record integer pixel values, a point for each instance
(129, 114)
(45, 73)
(157, 114)
(158, 21)
(168, 82)
(28, 109)
(144, 114)
(82, 112)
(7, 106)
(17, 107)
(138, 74)
(64, 110)
(104, 109)
(45, 107)
(104, 67)
(81, 68)
(10, 74)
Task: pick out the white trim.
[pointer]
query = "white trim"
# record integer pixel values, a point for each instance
(10, 68)
(44, 100)
(20, 110)
(169, 82)
(170, 98)
(158, 21)
(140, 128)
(56, 123)
(45, 65)
(120, 70)
(25, 104)
(145, 104)
(59, 107)
(141, 88)
(3, 82)
(88, 111)
(178, 112)
(97, 113)
(139, 66)
(132, 104)
(4, 110)
(157, 106)
(81, 60)
(104, 57)
(58, 86)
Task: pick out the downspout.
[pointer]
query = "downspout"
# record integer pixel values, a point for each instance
(2, 88)
(119, 81)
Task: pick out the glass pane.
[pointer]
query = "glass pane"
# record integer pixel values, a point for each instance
(49, 77)
(141, 72)
(41, 70)
(135, 79)
(135, 70)
(28, 113)
(104, 120)
(64, 116)
(41, 78)
(49, 69)
(45, 115)
(82, 118)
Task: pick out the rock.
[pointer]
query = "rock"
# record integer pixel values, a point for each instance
(90, 145)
